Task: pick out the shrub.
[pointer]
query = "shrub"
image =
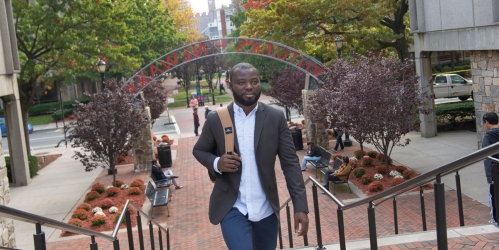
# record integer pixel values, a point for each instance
(97, 210)
(367, 161)
(137, 184)
(408, 174)
(119, 183)
(112, 191)
(134, 191)
(359, 172)
(139, 181)
(85, 206)
(49, 108)
(118, 217)
(358, 154)
(113, 210)
(378, 176)
(366, 179)
(352, 164)
(80, 214)
(105, 203)
(337, 156)
(372, 154)
(98, 187)
(75, 222)
(58, 115)
(124, 186)
(375, 186)
(165, 139)
(396, 181)
(32, 164)
(400, 169)
(92, 195)
(98, 220)
(381, 169)
(382, 159)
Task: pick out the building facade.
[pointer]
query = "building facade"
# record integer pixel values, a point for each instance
(459, 25)
(216, 23)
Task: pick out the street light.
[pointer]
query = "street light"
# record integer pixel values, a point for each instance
(219, 82)
(101, 67)
(339, 45)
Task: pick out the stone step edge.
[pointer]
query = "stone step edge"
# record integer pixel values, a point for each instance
(412, 237)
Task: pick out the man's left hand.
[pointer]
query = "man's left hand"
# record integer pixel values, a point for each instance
(301, 218)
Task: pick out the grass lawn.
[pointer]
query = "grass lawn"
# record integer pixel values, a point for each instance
(40, 119)
(183, 103)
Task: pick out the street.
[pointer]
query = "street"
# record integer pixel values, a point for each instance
(47, 139)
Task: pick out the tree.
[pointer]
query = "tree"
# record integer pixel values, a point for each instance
(312, 25)
(58, 38)
(105, 127)
(376, 99)
(210, 67)
(286, 85)
(184, 19)
(155, 96)
(185, 72)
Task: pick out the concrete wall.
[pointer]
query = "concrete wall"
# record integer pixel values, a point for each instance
(485, 67)
(441, 15)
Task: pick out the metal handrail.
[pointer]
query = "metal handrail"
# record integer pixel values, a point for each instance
(16, 214)
(120, 219)
(417, 181)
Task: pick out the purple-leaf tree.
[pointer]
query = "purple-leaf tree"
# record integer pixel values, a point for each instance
(156, 95)
(286, 85)
(105, 127)
(374, 98)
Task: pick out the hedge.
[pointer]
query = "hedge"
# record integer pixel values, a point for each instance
(58, 114)
(49, 108)
(32, 164)
(451, 113)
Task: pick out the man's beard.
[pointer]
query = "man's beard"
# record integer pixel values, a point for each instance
(245, 102)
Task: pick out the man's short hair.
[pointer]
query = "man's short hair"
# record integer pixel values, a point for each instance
(154, 161)
(309, 143)
(243, 65)
(491, 117)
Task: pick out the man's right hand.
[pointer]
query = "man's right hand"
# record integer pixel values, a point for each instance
(229, 163)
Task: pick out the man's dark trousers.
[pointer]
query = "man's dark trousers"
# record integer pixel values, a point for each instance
(241, 234)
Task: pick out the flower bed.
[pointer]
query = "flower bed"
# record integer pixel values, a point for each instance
(370, 177)
(101, 213)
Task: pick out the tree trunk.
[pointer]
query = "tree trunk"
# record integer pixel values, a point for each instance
(361, 149)
(26, 96)
(398, 27)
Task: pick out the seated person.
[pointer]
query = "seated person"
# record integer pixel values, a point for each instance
(158, 173)
(313, 154)
(338, 175)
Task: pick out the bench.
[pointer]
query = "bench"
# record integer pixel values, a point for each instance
(337, 164)
(161, 183)
(157, 197)
(323, 162)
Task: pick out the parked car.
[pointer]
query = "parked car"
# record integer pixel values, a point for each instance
(452, 85)
(3, 126)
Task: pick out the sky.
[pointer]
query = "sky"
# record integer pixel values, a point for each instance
(200, 6)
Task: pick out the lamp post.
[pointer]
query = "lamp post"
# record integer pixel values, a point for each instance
(101, 67)
(219, 82)
(339, 45)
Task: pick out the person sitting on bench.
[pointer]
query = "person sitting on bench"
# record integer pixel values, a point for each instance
(158, 173)
(313, 154)
(338, 175)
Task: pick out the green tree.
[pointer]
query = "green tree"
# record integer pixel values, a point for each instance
(56, 39)
(312, 25)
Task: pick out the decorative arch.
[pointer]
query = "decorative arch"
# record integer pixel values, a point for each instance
(214, 47)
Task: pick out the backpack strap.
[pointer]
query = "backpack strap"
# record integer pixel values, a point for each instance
(228, 129)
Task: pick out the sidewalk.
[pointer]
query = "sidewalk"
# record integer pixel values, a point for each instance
(52, 194)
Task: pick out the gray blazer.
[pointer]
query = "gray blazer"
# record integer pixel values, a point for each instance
(272, 138)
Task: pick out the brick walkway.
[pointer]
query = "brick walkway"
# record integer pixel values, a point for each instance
(190, 228)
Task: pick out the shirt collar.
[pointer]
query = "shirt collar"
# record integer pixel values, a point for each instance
(239, 111)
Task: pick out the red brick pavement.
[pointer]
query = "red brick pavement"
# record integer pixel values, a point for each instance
(191, 229)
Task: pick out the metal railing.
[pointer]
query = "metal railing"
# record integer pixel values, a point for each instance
(377, 199)
(39, 236)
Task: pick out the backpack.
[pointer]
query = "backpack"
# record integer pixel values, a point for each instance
(228, 130)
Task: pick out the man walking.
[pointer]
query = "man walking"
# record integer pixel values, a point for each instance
(196, 121)
(490, 137)
(245, 199)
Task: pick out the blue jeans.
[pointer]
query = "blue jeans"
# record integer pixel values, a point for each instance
(308, 158)
(338, 142)
(241, 234)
